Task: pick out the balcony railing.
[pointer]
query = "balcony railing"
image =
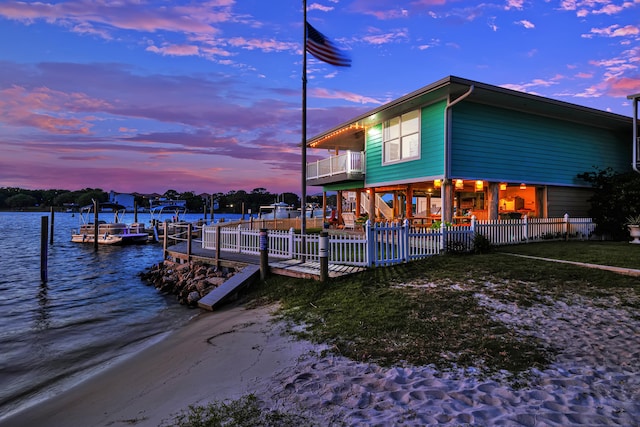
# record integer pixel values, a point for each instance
(347, 166)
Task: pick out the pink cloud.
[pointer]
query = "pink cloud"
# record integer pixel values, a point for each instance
(175, 50)
(347, 96)
(623, 86)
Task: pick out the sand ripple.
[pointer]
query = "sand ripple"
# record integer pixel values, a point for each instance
(595, 379)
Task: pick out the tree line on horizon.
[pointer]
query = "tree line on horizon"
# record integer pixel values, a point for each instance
(235, 201)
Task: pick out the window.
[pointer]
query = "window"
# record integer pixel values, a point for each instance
(401, 137)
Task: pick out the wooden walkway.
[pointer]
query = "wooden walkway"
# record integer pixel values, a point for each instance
(283, 267)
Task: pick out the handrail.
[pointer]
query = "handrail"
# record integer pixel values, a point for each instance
(348, 162)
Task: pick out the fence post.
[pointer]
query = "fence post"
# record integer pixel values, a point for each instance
(525, 228)
(292, 241)
(323, 253)
(566, 226)
(239, 239)
(264, 253)
(369, 242)
(405, 240)
(443, 236)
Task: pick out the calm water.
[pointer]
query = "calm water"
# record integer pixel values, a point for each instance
(93, 308)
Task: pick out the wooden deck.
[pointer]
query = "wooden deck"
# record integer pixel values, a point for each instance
(283, 267)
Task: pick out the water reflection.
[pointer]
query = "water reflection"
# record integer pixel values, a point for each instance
(42, 318)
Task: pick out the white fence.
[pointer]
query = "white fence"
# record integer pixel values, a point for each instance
(384, 244)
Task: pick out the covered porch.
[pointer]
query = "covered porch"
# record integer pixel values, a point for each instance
(452, 201)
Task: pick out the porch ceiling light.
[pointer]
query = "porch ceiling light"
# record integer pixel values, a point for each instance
(479, 185)
(503, 186)
(523, 186)
(459, 184)
(437, 183)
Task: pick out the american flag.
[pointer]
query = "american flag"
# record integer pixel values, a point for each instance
(324, 49)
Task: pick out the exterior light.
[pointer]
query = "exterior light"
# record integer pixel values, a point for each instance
(503, 186)
(523, 186)
(437, 183)
(459, 184)
(479, 185)
(373, 131)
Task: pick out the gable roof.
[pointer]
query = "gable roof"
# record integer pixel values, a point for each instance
(350, 134)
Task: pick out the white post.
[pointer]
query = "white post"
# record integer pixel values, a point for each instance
(405, 240)
(368, 232)
(525, 226)
(292, 242)
(566, 226)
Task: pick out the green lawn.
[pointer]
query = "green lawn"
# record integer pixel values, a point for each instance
(617, 254)
(427, 311)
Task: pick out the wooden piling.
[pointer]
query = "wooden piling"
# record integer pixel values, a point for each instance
(324, 256)
(264, 254)
(51, 230)
(44, 254)
(95, 225)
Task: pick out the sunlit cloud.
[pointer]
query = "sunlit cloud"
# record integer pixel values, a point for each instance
(526, 24)
(378, 37)
(347, 96)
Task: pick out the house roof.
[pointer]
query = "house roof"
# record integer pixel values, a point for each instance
(350, 134)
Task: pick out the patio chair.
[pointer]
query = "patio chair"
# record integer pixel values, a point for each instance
(349, 219)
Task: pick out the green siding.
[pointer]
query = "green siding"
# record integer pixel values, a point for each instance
(497, 144)
(431, 151)
(350, 185)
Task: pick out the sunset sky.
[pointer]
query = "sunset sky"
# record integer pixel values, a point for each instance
(205, 96)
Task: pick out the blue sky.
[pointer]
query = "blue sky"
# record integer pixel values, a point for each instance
(205, 96)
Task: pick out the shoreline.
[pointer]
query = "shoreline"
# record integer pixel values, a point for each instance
(216, 356)
(233, 352)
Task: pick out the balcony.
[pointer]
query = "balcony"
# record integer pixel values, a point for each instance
(343, 167)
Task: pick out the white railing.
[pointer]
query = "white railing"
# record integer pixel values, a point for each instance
(343, 249)
(389, 243)
(349, 163)
(514, 231)
(383, 208)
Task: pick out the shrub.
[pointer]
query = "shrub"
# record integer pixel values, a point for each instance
(481, 244)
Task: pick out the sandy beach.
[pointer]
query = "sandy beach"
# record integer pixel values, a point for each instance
(594, 381)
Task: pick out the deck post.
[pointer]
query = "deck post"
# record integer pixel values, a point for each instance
(323, 253)
(189, 241)
(218, 235)
(264, 254)
(165, 240)
(43, 248)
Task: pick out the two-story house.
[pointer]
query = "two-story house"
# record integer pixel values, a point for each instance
(458, 147)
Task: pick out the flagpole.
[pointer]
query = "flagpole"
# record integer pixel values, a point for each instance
(303, 204)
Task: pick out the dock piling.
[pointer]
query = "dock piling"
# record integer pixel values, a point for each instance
(51, 231)
(95, 225)
(44, 254)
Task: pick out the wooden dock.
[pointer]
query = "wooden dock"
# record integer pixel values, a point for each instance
(283, 267)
